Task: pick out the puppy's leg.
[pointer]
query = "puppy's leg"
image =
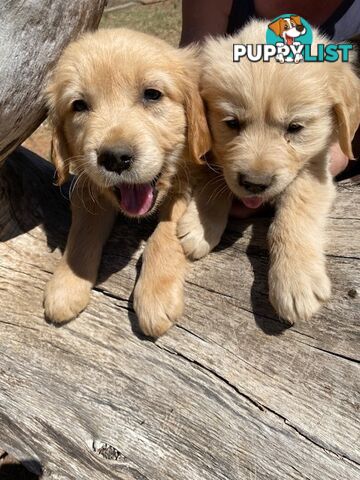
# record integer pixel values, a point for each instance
(159, 292)
(68, 291)
(298, 283)
(201, 227)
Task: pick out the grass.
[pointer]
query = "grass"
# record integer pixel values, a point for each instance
(161, 19)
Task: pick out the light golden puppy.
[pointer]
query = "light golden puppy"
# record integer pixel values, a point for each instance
(128, 120)
(272, 127)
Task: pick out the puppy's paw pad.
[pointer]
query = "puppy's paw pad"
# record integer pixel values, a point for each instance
(155, 326)
(62, 303)
(157, 309)
(300, 296)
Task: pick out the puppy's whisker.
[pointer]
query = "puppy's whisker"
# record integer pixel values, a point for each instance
(72, 186)
(212, 182)
(89, 184)
(183, 167)
(220, 192)
(69, 159)
(85, 185)
(78, 181)
(94, 190)
(217, 193)
(215, 168)
(77, 169)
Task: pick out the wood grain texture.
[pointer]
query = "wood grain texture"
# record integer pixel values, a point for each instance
(33, 33)
(229, 393)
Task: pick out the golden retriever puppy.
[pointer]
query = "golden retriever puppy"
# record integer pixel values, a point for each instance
(272, 127)
(128, 119)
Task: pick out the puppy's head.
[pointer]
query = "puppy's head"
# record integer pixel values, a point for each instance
(269, 120)
(124, 106)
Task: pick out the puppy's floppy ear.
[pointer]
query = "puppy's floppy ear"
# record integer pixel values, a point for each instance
(59, 147)
(59, 155)
(198, 133)
(296, 19)
(276, 27)
(345, 90)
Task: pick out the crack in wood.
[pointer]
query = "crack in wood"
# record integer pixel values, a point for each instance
(260, 406)
(226, 295)
(114, 296)
(338, 355)
(247, 403)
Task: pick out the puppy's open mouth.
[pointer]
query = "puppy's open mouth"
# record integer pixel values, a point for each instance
(136, 199)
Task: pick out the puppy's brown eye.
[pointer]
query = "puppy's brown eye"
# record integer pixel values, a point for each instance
(151, 94)
(233, 123)
(80, 106)
(294, 127)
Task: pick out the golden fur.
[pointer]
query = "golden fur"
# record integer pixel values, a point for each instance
(110, 70)
(284, 119)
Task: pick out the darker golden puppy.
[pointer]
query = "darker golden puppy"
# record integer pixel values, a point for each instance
(127, 117)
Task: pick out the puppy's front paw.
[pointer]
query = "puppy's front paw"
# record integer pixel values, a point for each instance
(197, 238)
(298, 291)
(158, 305)
(65, 297)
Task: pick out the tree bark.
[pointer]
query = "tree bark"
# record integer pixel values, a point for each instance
(33, 34)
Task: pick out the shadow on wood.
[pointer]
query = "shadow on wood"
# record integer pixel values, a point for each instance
(29, 190)
(30, 198)
(11, 469)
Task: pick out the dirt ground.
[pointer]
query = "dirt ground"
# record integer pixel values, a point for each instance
(162, 19)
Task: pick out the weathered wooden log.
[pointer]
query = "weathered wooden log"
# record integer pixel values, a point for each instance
(32, 35)
(227, 394)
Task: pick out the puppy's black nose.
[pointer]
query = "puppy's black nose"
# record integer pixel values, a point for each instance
(116, 160)
(300, 28)
(250, 186)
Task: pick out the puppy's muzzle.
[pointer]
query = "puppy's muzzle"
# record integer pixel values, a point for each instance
(117, 159)
(252, 186)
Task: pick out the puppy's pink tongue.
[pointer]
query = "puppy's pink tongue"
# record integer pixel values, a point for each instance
(136, 199)
(252, 202)
(289, 40)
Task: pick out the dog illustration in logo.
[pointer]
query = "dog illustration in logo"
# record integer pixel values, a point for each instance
(288, 28)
